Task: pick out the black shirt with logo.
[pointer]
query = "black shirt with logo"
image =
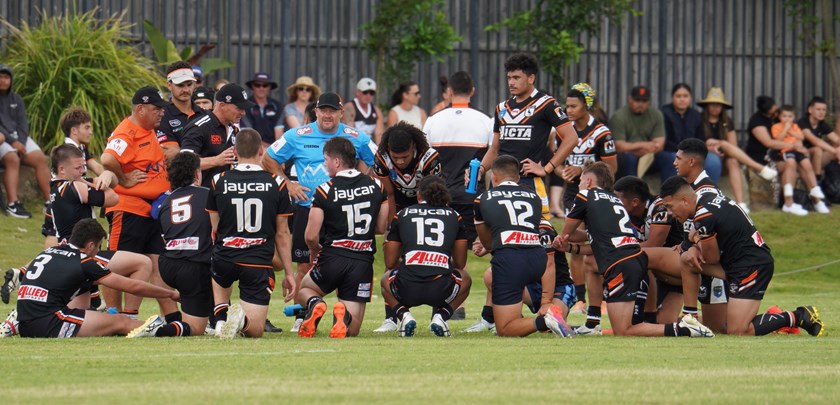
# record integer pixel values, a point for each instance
(513, 214)
(427, 235)
(739, 242)
(174, 122)
(186, 226)
(406, 181)
(67, 205)
(657, 215)
(524, 127)
(595, 143)
(207, 137)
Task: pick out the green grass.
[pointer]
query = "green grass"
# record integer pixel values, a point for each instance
(463, 369)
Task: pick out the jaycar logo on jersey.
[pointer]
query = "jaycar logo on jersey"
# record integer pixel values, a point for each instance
(190, 243)
(118, 145)
(620, 241)
(242, 188)
(520, 238)
(241, 243)
(33, 293)
(516, 133)
(355, 245)
(424, 258)
(350, 195)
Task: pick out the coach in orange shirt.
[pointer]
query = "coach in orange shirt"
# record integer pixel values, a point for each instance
(135, 156)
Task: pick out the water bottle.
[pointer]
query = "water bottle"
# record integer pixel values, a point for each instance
(475, 165)
(293, 310)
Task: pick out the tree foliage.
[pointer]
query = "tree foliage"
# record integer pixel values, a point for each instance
(552, 29)
(404, 32)
(76, 60)
(166, 53)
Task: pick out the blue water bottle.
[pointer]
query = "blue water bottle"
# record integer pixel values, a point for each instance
(475, 164)
(293, 310)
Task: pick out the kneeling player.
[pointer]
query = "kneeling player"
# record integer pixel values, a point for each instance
(346, 213)
(58, 273)
(723, 234)
(619, 257)
(430, 239)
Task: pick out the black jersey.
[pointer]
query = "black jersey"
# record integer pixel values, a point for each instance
(248, 200)
(406, 181)
(607, 225)
(207, 137)
(365, 121)
(657, 215)
(351, 203)
(82, 147)
(562, 276)
(702, 185)
(595, 143)
(67, 206)
(739, 242)
(427, 235)
(185, 224)
(53, 279)
(513, 213)
(524, 127)
(174, 122)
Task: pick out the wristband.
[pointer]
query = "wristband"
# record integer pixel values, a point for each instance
(552, 167)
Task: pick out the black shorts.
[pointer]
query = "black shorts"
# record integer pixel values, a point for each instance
(467, 221)
(300, 252)
(134, 233)
(663, 289)
(569, 193)
(712, 290)
(352, 278)
(48, 227)
(256, 283)
(64, 323)
(512, 270)
(777, 155)
(626, 279)
(749, 283)
(192, 280)
(435, 292)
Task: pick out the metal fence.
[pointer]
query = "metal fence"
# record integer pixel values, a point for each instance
(748, 47)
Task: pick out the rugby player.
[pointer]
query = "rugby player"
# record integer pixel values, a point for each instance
(620, 259)
(346, 213)
(430, 240)
(723, 234)
(47, 304)
(248, 209)
(507, 218)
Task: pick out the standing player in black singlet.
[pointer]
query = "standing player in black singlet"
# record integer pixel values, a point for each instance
(723, 234)
(507, 218)
(430, 240)
(248, 208)
(346, 213)
(620, 259)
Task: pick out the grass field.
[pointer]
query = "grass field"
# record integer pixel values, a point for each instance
(462, 369)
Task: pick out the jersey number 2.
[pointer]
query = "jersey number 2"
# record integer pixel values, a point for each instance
(519, 212)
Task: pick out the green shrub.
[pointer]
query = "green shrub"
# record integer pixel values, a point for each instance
(80, 60)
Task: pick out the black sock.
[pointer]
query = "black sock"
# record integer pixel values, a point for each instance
(221, 310)
(390, 313)
(95, 302)
(401, 310)
(173, 329)
(580, 291)
(347, 318)
(487, 314)
(673, 330)
(690, 311)
(539, 322)
(173, 317)
(445, 312)
(650, 317)
(312, 301)
(768, 323)
(593, 316)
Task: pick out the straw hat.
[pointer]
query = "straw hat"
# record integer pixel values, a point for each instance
(715, 96)
(307, 82)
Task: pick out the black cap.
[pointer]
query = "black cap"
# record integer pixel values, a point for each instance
(202, 92)
(4, 68)
(233, 93)
(640, 93)
(330, 100)
(148, 95)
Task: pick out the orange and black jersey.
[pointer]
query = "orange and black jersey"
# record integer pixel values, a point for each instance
(562, 276)
(595, 143)
(248, 200)
(427, 235)
(67, 205)
(702, 185)
(174, 122)
(608, 226)
(186, 226)
(406, 181)
(54, 278)
(513, 214)
(351, 202)
(524, 127)
(739, 242)
(657, 215)
(207, 137)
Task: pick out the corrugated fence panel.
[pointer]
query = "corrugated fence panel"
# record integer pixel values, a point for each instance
(748, 47)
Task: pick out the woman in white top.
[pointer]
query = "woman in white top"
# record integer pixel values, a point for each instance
(404, 106)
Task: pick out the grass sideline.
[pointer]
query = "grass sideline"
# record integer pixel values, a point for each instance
(463, 369)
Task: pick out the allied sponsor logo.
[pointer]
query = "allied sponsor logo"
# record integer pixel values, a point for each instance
(424, 258)
(190, 243)
(620, 241)
(241, 243)
(118, 145)
(520, 238)
(33, 293)
(243, 188)
(516, 133)
(354, 245)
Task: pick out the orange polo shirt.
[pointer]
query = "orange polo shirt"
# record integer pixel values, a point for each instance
(136, 148)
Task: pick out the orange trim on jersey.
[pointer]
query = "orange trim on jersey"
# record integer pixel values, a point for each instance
(100, 278)
(459, 144)
(260, 266)
(67, 318)
(750, 278)
(609, 157)
(710, 237)
(619, 261)
(579, 195)
(285, 215)
(321, 192)
(708, 214)
(536, 110)
(116, 230)
(461, 104)
(431, 159)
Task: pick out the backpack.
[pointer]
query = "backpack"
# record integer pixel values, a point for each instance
(831, 182)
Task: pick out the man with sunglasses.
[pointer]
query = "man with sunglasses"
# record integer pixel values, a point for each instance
(180, 80)
(362, 113)
(265, 116)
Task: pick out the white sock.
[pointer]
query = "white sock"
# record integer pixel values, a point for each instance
(788, 190)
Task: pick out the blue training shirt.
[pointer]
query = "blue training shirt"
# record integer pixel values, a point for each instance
(304, 146)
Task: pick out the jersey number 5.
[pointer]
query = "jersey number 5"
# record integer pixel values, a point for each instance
(358, 222)
(181, 210)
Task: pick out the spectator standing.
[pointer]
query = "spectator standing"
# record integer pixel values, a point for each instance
(180, 111)
(404, 106)
(301, 93)
(363, 113)
(265, 114)
(445, 95)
